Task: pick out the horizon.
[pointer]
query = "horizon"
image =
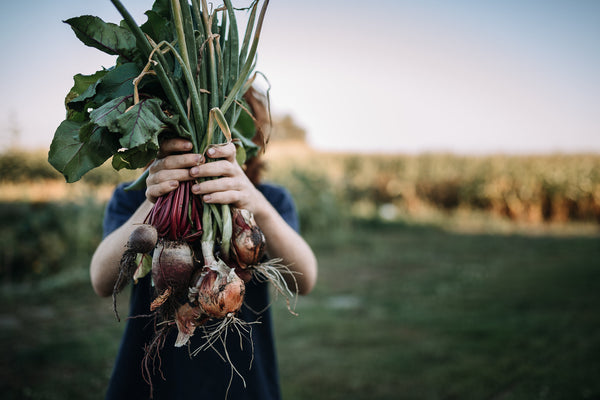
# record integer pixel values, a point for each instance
(398, 77)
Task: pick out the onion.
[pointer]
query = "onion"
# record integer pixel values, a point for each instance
(248, 240)
(220, 291)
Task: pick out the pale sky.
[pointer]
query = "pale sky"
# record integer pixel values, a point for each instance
(512, 76)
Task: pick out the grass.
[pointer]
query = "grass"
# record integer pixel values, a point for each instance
(421, 313)
(401, 311)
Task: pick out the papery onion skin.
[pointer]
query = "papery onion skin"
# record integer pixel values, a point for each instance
(186, 319)
(220, 294)
(249, 242)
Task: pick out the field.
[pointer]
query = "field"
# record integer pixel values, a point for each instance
(415, 300)
(400, 311)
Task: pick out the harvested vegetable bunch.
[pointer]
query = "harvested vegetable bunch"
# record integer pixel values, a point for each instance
(183, 73)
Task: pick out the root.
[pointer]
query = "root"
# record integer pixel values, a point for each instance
(127, 268)
(152, 361)
(217, 332)
(273, 272)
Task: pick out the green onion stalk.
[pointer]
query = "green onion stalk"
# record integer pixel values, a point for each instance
(215, 72)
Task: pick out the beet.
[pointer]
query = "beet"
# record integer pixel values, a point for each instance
(172, 267)
(143, 239)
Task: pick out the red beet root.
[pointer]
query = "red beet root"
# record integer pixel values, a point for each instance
(172, 266)
(143, 239)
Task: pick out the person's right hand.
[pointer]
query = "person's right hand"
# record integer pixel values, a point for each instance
(171, 166)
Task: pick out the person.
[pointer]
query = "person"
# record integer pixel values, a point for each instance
(249, 370)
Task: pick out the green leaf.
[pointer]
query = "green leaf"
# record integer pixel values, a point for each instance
(141, 125)
(107, 37)
(139, 183)
(81, 83)
(173, 125)
(107, 114)
(245, 124)
(144, 263)
(240, 154)
(249, 146)
(117, 82)
(162, 8)
(80, 147)
(157, 27)
(134, 158)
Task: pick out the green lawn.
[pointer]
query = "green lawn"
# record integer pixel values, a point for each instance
(399, 312)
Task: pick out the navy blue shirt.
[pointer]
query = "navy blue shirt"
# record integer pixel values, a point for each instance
(206, 375)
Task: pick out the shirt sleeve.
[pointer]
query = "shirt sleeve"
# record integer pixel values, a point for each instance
(120, 207)
(283, 202)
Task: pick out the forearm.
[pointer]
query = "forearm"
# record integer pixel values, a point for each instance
(285, 243)
(104, 267)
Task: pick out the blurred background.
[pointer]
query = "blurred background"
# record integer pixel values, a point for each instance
(445, 162)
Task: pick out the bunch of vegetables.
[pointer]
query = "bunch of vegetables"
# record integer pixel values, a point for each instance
(183, 73)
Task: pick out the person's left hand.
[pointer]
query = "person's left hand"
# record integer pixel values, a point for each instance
(229, 185)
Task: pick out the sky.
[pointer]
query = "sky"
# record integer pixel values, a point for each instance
(460, 76)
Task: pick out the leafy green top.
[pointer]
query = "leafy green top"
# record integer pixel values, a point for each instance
(153, 91)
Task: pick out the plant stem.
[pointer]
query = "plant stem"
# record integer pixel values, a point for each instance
(195, 99)
(248, 64)
(190, 37)
(214, 88)
(227, 229)
(201, 71)
(248, 34)
(176, 10)
(146, 48)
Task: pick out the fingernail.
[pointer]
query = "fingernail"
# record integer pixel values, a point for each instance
(194, 171)
(211, 151)
(173, 184)
(199, 159)
(187, 145)
(195, 188)
(207, 198)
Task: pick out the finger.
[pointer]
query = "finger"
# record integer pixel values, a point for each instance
(214, 169)
(226, 151)
(177, 161)
(168, 175)
(227, 197)
(174, 145)
(153, 192)
(216, 185)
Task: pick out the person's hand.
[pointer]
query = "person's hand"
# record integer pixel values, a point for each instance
(230, 186)
(171, 166)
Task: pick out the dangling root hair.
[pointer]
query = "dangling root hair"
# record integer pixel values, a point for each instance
(127, 267)
(273, 272)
